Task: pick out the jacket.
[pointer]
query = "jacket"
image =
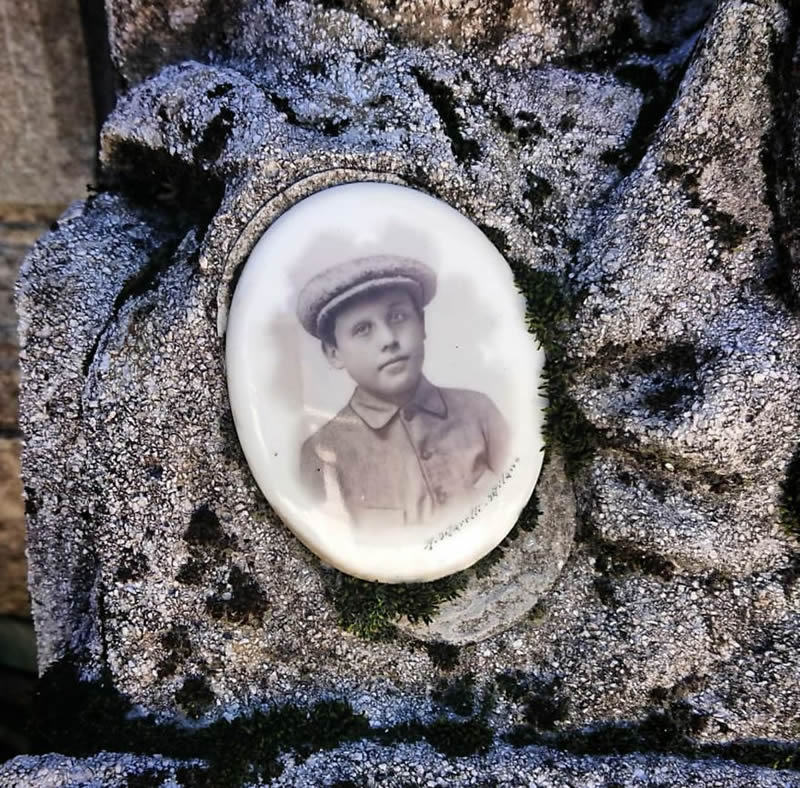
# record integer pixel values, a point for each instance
(394, 465)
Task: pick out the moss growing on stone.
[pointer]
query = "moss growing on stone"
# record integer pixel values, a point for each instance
(195, 696)
(566, 428)
(369, 609)
(549, 309)
(550, 305)
(458, 695)
(790, 495)
(242, 600)
(80, 718)
(443, 655)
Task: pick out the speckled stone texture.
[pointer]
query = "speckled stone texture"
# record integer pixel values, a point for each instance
(413, 767)
(646, 159)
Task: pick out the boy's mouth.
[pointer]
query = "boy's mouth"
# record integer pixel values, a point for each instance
(392, 361)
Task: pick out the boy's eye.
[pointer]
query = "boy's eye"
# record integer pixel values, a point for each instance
(397, 316)
(361, 329)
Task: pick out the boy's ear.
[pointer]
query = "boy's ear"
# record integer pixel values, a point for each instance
(332, 354)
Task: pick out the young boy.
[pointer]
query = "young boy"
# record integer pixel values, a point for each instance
(401, 449)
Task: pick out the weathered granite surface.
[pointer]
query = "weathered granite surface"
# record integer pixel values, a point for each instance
(147, 36)
(407, 765)
(653, 172)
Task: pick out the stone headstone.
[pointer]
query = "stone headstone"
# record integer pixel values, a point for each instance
(636, 175)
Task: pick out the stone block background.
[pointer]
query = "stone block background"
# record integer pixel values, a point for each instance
(19, 227)
(47, 129)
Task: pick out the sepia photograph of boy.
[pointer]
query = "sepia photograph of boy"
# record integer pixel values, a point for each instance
(402, 449)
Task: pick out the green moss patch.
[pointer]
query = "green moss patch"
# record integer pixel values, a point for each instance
(544, 703)
(241, 600)
(81, 718)
(566, 428)
(790, 495)
(370, 609)
(443, 655)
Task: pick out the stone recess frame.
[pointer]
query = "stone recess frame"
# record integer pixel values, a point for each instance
(475, 337)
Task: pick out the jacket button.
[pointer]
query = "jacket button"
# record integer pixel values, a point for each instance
(408, 413)
(426, 454)
(441, 495)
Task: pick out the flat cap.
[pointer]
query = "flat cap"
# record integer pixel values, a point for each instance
(330, 289)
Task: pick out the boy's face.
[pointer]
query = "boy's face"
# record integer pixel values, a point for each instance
(380, 341)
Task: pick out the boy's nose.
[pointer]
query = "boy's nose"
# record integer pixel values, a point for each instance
(387, 336)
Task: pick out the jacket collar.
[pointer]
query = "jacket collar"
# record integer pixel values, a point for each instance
(377, 413)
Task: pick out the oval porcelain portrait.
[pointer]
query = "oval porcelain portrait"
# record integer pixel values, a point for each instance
(385, 389)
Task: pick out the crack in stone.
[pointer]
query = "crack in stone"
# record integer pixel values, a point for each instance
(142, 282)
(658, 98)
(466, 151)
(328, 126)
